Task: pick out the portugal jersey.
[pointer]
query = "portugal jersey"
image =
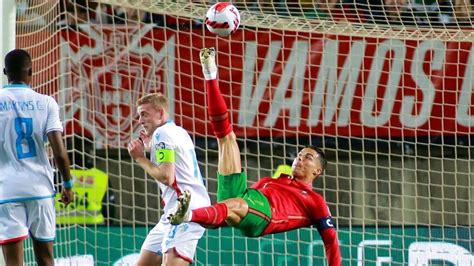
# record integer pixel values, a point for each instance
(171, 143)
(294, 205)
(25, 119)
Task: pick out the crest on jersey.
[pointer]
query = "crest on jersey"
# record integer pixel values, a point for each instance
(161, 146)
(108, 69)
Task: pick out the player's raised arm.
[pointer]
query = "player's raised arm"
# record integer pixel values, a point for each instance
(164, 173)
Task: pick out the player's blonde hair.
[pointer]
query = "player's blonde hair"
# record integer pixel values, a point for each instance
(157, 100)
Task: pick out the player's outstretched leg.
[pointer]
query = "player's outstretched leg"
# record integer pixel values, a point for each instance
(229, 153)
(213, 216)
(182, 213)
(218, 113)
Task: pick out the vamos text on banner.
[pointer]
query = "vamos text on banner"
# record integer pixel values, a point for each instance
(289, 84)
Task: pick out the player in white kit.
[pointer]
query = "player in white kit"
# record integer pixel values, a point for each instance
(174, 165)
(27, 120)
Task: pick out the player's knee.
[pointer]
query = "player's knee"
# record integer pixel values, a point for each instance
(45, 260)
(237, 209)
(43, 252)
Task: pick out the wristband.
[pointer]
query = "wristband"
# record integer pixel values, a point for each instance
(68, 184)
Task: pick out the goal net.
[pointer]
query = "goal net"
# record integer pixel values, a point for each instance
(384, 87)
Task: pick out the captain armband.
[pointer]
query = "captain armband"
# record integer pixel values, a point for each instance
(165, 156)
(324, 223)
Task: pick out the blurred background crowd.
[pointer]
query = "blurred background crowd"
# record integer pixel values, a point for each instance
(419, 13)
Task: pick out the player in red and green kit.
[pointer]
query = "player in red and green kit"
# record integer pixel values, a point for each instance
(270, 205)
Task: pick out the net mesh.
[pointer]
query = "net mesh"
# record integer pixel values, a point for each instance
(383, 87)
(413, 20)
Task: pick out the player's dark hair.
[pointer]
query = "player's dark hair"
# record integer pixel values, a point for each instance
(322, 156)
(18, 65)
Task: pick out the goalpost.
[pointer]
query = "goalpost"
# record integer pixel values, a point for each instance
(7, 12)
(385, 90)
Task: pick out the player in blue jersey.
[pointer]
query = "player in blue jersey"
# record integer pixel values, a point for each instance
(27, 120)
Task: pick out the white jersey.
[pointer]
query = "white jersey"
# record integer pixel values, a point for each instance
(25, 118)
(187, 173)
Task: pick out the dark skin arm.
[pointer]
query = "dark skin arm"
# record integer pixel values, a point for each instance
(62, 162)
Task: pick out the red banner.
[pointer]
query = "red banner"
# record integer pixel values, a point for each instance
(277, 83)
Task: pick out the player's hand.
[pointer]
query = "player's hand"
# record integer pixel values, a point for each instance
(136, 149)
(67, 196)
(145, 139)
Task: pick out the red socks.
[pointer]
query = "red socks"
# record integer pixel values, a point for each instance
(217, 108)
(212, 216)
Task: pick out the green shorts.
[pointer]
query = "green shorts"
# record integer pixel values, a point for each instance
(259, 215)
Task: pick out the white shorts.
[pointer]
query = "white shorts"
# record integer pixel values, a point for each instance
(183, 238)
(35, 216)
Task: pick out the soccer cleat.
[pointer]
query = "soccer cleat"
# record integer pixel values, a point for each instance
(208, 63)
(182, 212)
